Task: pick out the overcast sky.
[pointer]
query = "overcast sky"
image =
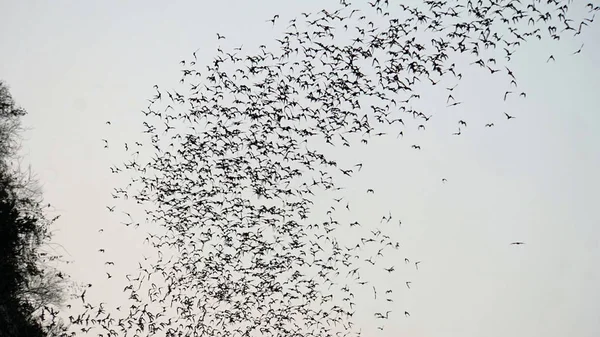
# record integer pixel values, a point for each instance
(73, 65)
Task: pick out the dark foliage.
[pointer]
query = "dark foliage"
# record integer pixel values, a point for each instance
(23, 229)
(16, 231)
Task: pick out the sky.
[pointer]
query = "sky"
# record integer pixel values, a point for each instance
(74, 65)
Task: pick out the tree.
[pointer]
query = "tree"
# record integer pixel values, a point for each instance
(28, 283)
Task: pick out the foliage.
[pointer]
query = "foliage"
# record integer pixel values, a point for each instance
(28, 283)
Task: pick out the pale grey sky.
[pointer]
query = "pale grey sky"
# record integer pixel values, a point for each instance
(74, 64)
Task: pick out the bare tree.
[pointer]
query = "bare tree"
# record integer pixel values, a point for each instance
(10, 122)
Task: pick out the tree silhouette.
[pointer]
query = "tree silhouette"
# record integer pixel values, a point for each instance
(28, 284)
